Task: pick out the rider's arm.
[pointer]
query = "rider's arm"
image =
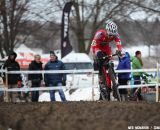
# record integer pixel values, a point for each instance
(118, 43)
(95, 47)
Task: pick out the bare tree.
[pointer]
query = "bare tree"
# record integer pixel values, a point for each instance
(88, 17)
(150, 33)
(11, 12)
(91, 15)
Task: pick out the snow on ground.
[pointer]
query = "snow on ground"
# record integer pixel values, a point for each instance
(133, 49)
(23, 48)
(81, 94)
(76, 57)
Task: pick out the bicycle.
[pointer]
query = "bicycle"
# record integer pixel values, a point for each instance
(107, 68)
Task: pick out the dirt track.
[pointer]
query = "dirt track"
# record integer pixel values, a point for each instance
(78, 115)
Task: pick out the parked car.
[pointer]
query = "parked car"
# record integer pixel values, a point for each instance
(79, 61)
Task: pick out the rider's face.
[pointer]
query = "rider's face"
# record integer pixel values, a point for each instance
(111, 36)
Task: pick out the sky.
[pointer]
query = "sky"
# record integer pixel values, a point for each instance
(42, 10)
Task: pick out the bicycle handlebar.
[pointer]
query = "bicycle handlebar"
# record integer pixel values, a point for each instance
(105, 57)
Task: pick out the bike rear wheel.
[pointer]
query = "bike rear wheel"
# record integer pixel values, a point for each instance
(104, 93)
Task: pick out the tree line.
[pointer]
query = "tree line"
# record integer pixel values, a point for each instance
(86, 18)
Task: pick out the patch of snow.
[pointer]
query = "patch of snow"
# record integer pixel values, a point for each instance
(144, 49)
(44, 97)
(76, 57)
(23, 48)
(135, 15)
(81, 94)
(133, 49)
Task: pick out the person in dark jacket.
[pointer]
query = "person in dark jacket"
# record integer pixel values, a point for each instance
(55, 79)
(14, 80)
(35, 79)
(123, 78)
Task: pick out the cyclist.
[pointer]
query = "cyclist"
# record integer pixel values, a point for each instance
(100, 46)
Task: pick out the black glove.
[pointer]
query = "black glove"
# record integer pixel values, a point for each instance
(119, 53)
(64, 83)
(100, 54)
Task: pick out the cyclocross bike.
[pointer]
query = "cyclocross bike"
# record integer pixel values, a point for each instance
(107, 68)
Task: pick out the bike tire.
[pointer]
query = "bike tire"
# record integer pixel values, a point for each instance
(114, 83)
(104, 93)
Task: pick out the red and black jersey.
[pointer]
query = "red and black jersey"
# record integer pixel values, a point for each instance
(101, 42)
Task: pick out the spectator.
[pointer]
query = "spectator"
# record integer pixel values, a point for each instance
(55, 79)
(14, 80)
(35, 79)
(123, 78)
(137, 63)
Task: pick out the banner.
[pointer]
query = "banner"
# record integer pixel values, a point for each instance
(66, 47)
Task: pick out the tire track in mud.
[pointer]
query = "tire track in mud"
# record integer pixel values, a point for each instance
(78, 115)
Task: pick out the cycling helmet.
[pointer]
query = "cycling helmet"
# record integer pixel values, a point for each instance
(111, 27)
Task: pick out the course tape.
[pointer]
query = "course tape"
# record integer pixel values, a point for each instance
(74, 71)
(137, 86)
(71, 72)
(41, 88)
(26, 89)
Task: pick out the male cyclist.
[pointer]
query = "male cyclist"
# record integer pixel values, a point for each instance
(100, 45)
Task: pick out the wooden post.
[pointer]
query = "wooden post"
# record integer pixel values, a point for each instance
(7, 97)
(93, 85)
(157, 86)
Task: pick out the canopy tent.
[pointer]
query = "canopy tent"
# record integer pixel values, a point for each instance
(28, 58)
(25, 55)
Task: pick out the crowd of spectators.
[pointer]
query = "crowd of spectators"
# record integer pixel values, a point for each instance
(35, 80)
(126, 62)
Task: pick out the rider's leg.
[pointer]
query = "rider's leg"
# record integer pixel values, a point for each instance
(108, 79)
(107, 51)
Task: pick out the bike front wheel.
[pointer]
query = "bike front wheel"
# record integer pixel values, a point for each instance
(115, 89)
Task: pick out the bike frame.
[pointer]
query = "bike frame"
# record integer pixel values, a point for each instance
(107, 78)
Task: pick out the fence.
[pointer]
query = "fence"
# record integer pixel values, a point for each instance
(93, 85)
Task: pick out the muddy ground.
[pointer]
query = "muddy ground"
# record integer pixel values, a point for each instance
(78, 115)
